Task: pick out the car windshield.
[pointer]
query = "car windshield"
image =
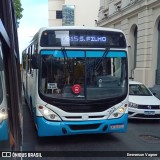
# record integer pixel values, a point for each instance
(78, 74)
(139, 89)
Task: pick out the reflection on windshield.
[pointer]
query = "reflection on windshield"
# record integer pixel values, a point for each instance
(1, 90)
(82, 77)
(137, 89)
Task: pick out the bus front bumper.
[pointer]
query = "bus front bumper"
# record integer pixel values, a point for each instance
(3, 130)
(49, 128)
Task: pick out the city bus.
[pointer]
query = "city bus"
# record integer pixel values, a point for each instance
(75, 80)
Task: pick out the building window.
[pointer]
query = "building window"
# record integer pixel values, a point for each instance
(118, 4)
(68, 15)
(158, 57)
(58, 14)
(159, 38)
(135, 46)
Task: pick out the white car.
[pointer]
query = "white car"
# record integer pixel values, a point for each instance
(142, 103)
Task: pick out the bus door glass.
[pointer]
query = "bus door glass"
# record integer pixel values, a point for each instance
(3, 103)
(24, 66)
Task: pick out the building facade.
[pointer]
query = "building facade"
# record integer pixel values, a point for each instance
(73, 12)
(140, 21)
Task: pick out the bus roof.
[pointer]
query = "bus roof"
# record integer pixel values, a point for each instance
(80, 27)
(73, 27)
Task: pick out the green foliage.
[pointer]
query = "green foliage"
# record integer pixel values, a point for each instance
(18, 9)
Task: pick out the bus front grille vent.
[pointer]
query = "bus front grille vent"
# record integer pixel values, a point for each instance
(80, 117)
(84, 127)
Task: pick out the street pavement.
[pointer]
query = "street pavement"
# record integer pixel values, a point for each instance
(142, 135)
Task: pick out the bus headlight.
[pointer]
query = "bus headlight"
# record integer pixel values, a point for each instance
(3, 114)
(118, 112)
(48, 114)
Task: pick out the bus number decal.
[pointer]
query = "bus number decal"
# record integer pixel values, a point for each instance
(52, 86)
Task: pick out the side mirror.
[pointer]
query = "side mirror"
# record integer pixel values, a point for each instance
(35, 61)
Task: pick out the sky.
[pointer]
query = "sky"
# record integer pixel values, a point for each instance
(35, 16)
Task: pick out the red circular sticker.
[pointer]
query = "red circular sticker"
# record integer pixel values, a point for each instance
(76, 89)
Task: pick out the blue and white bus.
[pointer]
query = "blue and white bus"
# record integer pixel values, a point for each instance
(75, 80)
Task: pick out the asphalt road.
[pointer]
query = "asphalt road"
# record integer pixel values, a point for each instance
(142, 135)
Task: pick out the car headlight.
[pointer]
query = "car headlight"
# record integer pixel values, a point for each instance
(118, 112)
(48, 114)
(132, 105)
(3, 114)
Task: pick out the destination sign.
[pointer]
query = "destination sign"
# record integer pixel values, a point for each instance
(82, 38)
(85, 38)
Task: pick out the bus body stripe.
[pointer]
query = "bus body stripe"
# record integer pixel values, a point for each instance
(70, 54)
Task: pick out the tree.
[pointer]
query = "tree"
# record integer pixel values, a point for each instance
(18, 9)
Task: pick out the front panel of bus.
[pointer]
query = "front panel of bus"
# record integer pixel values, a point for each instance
(82, 82)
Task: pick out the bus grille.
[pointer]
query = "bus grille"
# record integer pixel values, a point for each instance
(73, 108)
(84, 127)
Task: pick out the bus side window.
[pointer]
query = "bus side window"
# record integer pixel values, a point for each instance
(1, 89)
(36, 48)
(31, 54)
(29, 60)
(27, 56)
(24, 60)
(1, 69)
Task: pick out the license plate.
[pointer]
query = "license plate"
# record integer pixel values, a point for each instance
(149, 112)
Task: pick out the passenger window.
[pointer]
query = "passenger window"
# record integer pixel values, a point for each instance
(24, 59)
(1, 69)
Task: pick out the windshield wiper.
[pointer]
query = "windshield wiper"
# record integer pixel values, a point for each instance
(102, 58)
(66, 57)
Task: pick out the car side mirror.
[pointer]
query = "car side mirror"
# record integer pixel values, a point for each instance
(35, 61)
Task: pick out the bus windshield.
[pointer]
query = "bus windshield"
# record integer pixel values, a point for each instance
(83, 74)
